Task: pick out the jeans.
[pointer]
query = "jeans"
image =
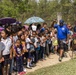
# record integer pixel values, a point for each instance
(42, 52)
(37, 55)
(19, 63)
(11, 65)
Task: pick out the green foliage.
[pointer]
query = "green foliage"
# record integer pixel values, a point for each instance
(23, 9)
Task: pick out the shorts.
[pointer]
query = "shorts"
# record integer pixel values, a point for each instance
(6, 59)
(62, 45)
(28, 54)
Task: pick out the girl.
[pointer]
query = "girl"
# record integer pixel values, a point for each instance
(37, 48)
(2, 47)
(19, 52)
(54, 41)
(28, 42)
(7, 51)
(24, 48)
(13, 37)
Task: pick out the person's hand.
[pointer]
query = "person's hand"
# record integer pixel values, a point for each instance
(10, 56)
(18, 55)
(55, 21)
(13, 55)
(26, 50)
(1, 60)
(67, 42)
(21, 54)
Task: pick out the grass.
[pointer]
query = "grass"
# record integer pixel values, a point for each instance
(65, 68)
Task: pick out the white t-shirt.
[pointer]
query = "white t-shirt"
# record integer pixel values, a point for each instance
(8, 43)
(42, 41)
(34, 27)
(36, 40)
(19, 50)
(28, 43)
(15, 38)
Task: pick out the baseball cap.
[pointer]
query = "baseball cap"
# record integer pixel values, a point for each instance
(61, 21)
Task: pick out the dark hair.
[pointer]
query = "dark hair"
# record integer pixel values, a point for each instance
(7, 32)
(14, 30)
(18, 40)
(44, 24)
(23, 27)
(19, 28)
(38, 26)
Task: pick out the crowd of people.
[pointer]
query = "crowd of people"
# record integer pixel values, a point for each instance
(20, 47)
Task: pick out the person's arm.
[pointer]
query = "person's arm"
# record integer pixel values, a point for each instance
(14, 53)
(2, 58)
(53, 24)
(22, 52)
(11, 52)
(68, 35)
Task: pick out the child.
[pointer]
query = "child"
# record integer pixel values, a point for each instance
(24, 48)
(48, 44)
(13, 37)
(37, 49)
(42, 45)
(19, 52)
(28, 42)
(7, 51)
(54, 42)
(2, 47)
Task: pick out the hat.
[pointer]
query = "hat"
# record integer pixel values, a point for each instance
(61, 21)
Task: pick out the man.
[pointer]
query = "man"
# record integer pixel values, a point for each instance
(62, 35)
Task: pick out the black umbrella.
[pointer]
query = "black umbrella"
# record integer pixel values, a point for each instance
(7, 20)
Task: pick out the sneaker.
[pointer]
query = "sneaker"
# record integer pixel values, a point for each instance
(65, 55)
(60, 59)
(24, 69)
(33, 65)
(29, 67)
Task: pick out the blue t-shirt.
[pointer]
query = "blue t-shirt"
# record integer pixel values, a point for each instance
(62, 31)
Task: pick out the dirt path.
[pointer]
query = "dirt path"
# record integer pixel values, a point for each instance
(52, 60)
